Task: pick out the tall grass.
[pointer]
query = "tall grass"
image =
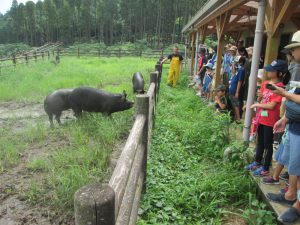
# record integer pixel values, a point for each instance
(77, 153)
(33, 81)
(188, 182)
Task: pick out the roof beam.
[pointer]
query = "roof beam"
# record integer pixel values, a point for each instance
(226, 6)
(285, 13)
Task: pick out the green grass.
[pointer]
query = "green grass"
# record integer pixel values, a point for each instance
(70, 156)
(34, 81)
(188, 182)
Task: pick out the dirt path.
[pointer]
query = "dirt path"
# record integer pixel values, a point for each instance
(15, 181)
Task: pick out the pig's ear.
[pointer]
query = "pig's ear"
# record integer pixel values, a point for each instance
(124, 94)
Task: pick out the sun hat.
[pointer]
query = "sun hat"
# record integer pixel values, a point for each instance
(295, 42)
(209, 65)
(277, 65)
(286, 51)
(233, 48)
(260, 73)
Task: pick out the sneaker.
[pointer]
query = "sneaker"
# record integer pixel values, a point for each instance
(252, 166)
(270, 180)
(260, 172)
(284, 176)
(284, 190)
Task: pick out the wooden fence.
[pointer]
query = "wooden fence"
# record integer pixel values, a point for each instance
(112, 53)
(118, 201)
(55, 52)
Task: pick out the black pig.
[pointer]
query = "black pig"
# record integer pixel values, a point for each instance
(138, 83)
(57, 102)
(94, 100)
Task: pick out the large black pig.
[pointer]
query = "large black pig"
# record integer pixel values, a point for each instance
(94, 100)
(57, 102)
(138, 83)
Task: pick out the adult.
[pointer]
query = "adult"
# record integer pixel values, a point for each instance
(175, 66)
(291, 146)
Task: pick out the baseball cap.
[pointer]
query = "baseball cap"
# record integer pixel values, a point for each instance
(277, 65)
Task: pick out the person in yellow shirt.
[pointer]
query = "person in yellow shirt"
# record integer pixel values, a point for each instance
(175, 66)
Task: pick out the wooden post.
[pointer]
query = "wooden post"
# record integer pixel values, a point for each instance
(276, 15)
(43, 55)
(26, 58)
(35, 56)
(221, 23)
(154, 78)
(193, 52)
(142, 107)
(94, 205)
(158, 67)
(48, 55)
(78, 53)
(14, 60)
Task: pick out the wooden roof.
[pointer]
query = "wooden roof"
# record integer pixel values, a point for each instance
(242, 14)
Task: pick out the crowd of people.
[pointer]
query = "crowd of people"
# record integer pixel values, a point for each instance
(276, 111)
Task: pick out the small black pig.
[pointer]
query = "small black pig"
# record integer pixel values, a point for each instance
(57, 102)
(94, 100)
(138, 83)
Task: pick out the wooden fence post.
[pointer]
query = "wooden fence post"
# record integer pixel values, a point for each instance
(48, 54)
(95, 205)
(158, 68)
(43, 55)
(78, 53)
(154, 76)
(142, 107)
(35, 56)
(26, 58)
(14, 60)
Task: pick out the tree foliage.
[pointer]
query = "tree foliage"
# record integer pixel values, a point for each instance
(157, 22)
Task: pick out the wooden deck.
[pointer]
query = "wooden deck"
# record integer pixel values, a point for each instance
(263, 189)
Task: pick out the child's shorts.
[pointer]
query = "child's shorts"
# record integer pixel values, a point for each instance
(234, 101)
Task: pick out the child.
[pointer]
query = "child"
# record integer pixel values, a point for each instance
(235, 85)
(220, 99)
(269, 111)
(207, 80)
(255, 119)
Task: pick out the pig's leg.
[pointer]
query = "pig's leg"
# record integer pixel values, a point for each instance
(57, 117)
(51, 119)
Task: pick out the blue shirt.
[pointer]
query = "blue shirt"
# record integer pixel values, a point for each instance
(213, 59)
(233, 83)
(294, 126)
(227, 63)
(207, 81)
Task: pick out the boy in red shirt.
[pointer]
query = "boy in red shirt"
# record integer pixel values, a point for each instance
(269, 109)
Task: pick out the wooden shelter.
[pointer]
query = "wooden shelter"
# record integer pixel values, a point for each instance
(269, 23)
(236, 19)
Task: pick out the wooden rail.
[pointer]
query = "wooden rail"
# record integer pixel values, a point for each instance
(118, 201)
(54, 52)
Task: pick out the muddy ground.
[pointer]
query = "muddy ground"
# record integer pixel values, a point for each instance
(16, 180)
